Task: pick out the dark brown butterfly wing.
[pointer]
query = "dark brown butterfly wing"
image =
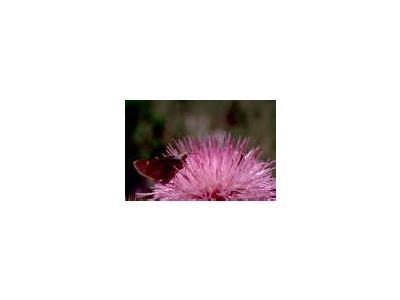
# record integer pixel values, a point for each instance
(163, 169)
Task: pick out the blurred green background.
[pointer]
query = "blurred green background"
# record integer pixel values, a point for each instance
(150, 126)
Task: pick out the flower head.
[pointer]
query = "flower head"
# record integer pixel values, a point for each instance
(218, 168)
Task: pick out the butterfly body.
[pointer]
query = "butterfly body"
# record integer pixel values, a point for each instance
(160, 169)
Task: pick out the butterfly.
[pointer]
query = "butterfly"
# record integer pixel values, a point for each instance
(160, 169)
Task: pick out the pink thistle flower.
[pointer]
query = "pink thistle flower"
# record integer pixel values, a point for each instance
(218, 168)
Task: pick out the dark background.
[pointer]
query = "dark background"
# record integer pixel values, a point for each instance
(150, 126)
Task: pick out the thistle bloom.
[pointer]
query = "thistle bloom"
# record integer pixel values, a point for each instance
(218, 168)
